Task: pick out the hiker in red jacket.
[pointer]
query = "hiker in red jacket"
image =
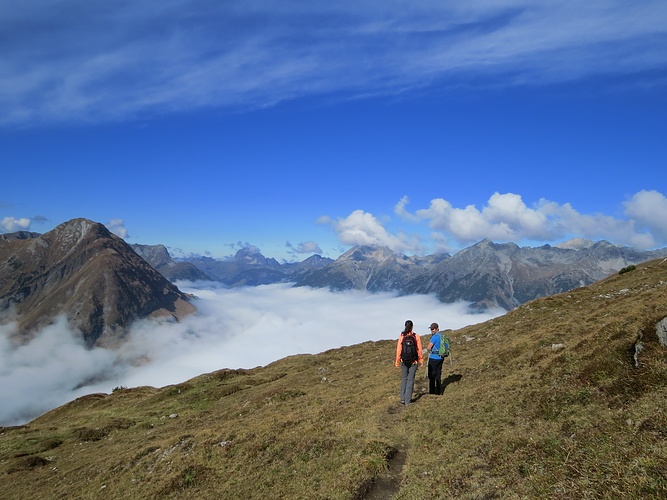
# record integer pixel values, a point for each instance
(408, 357)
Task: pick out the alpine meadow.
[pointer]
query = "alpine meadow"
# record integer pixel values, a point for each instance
(562, 397)
(218, 217)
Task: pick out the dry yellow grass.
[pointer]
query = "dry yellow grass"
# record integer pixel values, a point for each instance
(521, 417)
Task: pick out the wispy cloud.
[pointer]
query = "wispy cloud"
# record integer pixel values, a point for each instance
(77, 60)
(304, 247)
(237, 328)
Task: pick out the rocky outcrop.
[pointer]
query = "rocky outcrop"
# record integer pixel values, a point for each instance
(661, 331)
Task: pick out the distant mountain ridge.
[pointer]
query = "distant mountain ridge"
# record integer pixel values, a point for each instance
(486, 274)
(248, 267)
(85, 272)
(19, 235)
(505, 275)
(158, 257)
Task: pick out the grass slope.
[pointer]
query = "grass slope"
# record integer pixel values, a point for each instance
(547, 401)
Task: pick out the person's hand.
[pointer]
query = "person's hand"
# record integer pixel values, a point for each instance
(396, 365)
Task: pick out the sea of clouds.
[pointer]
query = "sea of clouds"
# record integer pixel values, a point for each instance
(233, 328)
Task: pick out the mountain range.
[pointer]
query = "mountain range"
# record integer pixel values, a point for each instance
(84, 272)
(486, 274)
(102, 284)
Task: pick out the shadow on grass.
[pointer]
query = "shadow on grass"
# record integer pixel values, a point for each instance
(422, 389)
(450, 380)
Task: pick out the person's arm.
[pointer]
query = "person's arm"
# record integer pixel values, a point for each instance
(399, 348)
(419, 350)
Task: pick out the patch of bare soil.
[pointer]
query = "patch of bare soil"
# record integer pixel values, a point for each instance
(388, 484)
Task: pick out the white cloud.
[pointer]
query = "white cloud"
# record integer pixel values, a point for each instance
(402, 212)
(117, 227)
(362, 228)
(235, 328)
(506, 217)
(565, 221)
(141, 57)
(45, 372)
(649, 209)
(11, 224)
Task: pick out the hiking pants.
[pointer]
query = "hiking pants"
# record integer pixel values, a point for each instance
(435, 375)
(407, 381)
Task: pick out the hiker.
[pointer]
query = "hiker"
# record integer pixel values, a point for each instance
(435, 361)
(408, 357)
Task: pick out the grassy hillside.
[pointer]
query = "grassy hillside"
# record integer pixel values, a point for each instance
(548, 401)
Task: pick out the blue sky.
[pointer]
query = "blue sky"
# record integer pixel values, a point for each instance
(300, 127)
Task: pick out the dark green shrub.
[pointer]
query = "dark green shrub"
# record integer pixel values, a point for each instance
(627, 269)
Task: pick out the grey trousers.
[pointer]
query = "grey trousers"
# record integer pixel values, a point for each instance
(407, 381)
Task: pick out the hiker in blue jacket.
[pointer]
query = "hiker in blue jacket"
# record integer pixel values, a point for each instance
(435, 361)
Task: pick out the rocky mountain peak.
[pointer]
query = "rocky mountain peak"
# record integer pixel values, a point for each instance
(156, 255)
(75, 231)
(367, 252)
(93, 277)
(251, 256)
(576, 244)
